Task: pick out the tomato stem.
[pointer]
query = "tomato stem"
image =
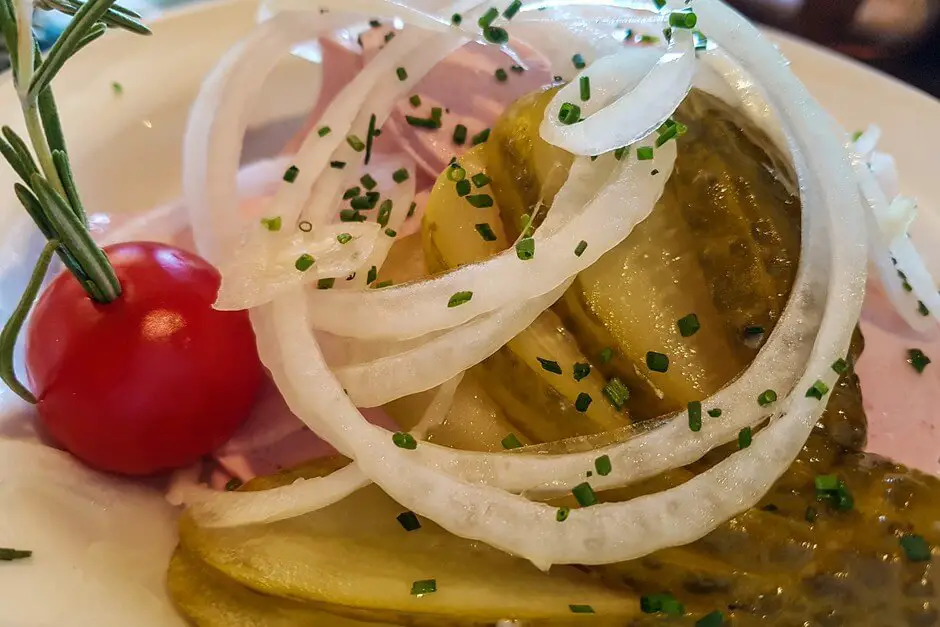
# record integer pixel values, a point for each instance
(11, 329)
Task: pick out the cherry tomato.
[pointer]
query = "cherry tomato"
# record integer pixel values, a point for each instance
(151, 381)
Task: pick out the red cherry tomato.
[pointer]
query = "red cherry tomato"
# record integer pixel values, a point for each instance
(151, 381)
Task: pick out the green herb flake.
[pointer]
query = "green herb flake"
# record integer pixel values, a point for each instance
(512, 9)
(715, 412)
(917, 359)
(766, 397)
(744, 438)
(480, 201)
(117, 88)
(352, 192)
(695, 416)
(233, 484)
(381, 284)
(581, 370)
(584, 494)
(408, 521)
(644, 154)
(304, 262)
(713, 619)
(606, 355)
(391, 232)
(459, 298)
(511, 442)
(337, 165)
(411, 209)
(688, 325)
(355, 143)
(922, 308)
(344, 238)
(501, 75)
(577, 60)
(385, 212)
(456, 173)
(620, 152)
(361, 202)
(817, 390)
(832, 489)
(840, 366)
(569, 113)
(525, 248)
(617, 393)
(417, 122)
(351, 215)
(400, 175)
(326, 284)
(857, 135)
(460, 135)
(584, 85)
(456, 19)
(480, 180)
(561, 515)
(683, 19)
(496, 35)
(402, 73)
(485, 231)
(581, 609)
(487, 18)
(649, 39)
(602, 465)
(373, 273)
(549, 366)
(583, 401)
(11, 555)
(657, 362)
(480, 137)
(272, 224)
(462, 188)
(415, 100)
(660, 4)
(323, 131)
(664, 603)
(580, 248)
(423, 587)
(290, 175)
(368, 182)
(915, 547)
(404, 440)
(810, 514)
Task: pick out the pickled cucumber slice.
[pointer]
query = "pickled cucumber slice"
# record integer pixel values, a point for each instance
(354, 559)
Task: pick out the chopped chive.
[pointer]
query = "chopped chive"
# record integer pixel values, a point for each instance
(306, 226)
(583, 401)
(404, 440)
(695, 416)
(323, 131)
(644, 154)
(915, 547)
(922, 308)
(382, 284)
(917, 359)
(712, 619)
(649, 39)
(840, 366)
(602, 465)
(456, 19)
(581, 609)
(495, 35)
(480, 201)
(272, 224)
(415, 100)
(510, 442)
(352, 192)
(423, 586)
(525, 248)
(351, 215)
(620, 152)
(360, 202)
(744, 438)
(569, 113)
(585, 85)
(290, 175)
(411, 209)
(584, 494)
(436, 113)
(337, 165)
(617, 393)
(580, 248)
(817, 390)
(654, 172)
(581, 370)
(389, 36)
(578, 61)
(561, 515)
(459, 298)
(659, 3)
(400, 175)
(606, 355)
(373, 272)
(480, 137)
(233, 484)
(671, 132)
(518, 69)
(462, 188)
(11, 555)
(485, 231)
(688, 325)
(408, 521)
(304, 262)
(501, 75)
(423, 122)
(833, 490)
(456, 173)
(701, 41)
(512, 9)
(549, 366)
(344, 238)
(117, 88)
(857, 135)
(826, 483)
(402, 73)
(368, 182)
(715, 412)
(487, 18)
(657, 362)
(766, 397)
(375, 23)
(391, 232)
(355, 143)
(810, 514)
(683, 19)
(480, 180)
(326, 284)
(664, 602)
(460, 134)
(385, 212)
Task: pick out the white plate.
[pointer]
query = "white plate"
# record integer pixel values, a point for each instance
(127, 148)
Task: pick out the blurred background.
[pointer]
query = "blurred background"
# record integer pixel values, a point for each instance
(900, 37)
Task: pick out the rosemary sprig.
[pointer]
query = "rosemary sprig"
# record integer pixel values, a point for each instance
(48, 191)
